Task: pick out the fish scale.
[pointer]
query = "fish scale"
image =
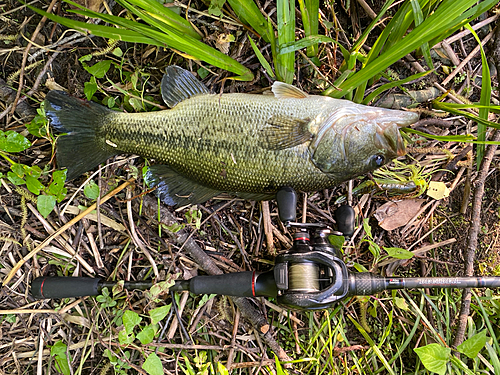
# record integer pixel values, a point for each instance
(243, 144)
(226, 152)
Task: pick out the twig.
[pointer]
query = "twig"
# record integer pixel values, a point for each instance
(472, 238)
(62, 229)
(267, 226)
(248, 311)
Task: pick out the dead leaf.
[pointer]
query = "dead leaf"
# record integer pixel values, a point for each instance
(438, 190)
(392, 215)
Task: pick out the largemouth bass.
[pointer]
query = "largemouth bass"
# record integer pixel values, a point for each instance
(243, 144)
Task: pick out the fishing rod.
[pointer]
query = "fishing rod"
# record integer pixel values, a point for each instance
(310, 275)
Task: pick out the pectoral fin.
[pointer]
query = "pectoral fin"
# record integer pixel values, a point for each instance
(174, 189)
(283, 132)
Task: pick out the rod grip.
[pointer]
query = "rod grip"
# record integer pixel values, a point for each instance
(240, 284)
(365, 284)
(64, 287)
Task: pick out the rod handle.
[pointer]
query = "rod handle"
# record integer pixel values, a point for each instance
(240, 284)
(64, 287)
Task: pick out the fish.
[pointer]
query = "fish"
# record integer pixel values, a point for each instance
(246, 145)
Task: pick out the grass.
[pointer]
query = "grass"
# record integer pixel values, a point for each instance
(120, 330)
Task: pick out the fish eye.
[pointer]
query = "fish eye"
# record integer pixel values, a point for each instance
(378, 160)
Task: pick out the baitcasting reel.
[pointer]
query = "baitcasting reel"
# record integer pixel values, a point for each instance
(310, 275)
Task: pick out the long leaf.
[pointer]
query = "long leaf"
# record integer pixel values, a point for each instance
(286, 34)
(485, 100)
(310, 12)
(167, 36)
(438, 23)
(155, 9)
(248, 12)
(390, 85)
(99, 30)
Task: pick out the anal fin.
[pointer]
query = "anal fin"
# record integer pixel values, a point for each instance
(174, 189)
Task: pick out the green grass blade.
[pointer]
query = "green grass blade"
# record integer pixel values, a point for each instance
(494, 358)
(466, 17)
(390, 85)
(419, 18)
(247, 11)
(261, 58)
(484, 100)
(286, 34)
(374, 347)
(99, 30)
(310, 12)
(167, 36)
(309, 41)
(453, 109)
(438, 23)
(167, 16)
(446, 138)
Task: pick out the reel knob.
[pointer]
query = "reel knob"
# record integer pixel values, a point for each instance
(345, 218)
(286, 198)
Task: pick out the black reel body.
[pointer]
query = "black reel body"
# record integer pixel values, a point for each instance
(310, 275)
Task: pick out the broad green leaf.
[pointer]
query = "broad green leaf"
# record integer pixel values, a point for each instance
(58, 351)
(147, 334)
(56, 187)
(434, 357)
(99, 69)
(124, 338)
(222, 369)
(398, 253)
(215, 7)
(45, 204)
(91, 190)
(33, 184)
(38, 126)
(130, 320)
(11, 141)
(473, 345)
(15, 179)
(152, 365)
(337, 241)
(18, 170)
(401, 303)
(159, 313)
(90, 88)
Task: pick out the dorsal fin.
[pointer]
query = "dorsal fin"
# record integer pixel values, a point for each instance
(179, 84)
(283, 90)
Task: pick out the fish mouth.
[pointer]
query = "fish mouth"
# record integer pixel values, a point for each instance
(388, 135)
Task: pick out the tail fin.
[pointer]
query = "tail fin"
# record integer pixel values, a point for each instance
(81, 149)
